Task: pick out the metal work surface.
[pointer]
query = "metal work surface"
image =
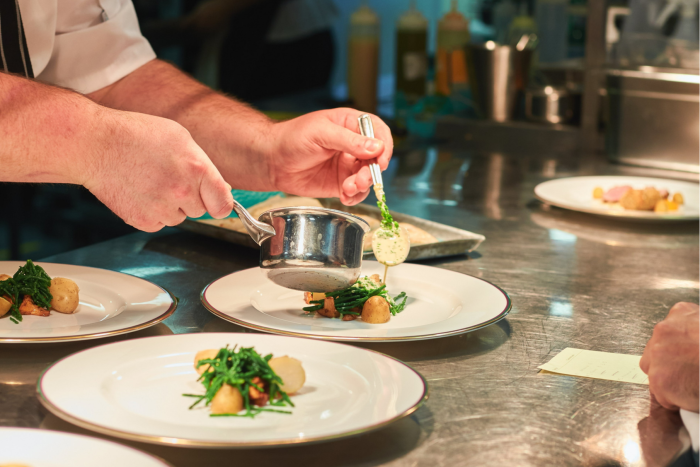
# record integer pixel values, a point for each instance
(575, 281)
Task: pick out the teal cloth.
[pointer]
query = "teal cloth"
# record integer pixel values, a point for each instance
(247, 199)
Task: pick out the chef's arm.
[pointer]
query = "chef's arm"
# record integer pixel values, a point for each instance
(45, 132)
(234, 136)
(146, 169)
(320, 154)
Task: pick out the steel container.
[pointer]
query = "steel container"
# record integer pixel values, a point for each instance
(313, 249)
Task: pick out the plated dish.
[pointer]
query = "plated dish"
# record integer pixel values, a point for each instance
(96, 303)
(624, 197)
(28, 447)
(133, 389)
(440, 303)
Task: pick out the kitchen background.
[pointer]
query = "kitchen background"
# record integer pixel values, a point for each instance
(615, 78)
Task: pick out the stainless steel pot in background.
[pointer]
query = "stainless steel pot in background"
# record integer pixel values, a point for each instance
(552, 104)
(314, 249)
(497, 75)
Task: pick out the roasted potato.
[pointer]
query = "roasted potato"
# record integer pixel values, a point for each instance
(598, 193)
(4, 277)
(5, 306)
(65, 294)
(204, 355)
(227, 400)
(640, 200)
(328, 309)
(677, 198)
(376, 311)
(290, 370)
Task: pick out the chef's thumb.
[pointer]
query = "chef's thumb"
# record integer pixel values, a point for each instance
(338, 138)
(216, 194)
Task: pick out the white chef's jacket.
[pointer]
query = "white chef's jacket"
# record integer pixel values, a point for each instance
(83, 45)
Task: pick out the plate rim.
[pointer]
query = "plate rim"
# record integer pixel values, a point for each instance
(613, 214)
(91, 438)
(245, 324)
(184, 442)
(98, 335)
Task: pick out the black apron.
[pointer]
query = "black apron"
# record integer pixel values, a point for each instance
(14, 55)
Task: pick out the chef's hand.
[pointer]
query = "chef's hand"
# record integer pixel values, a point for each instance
(671, 359)
(152, 174)
(323, 155)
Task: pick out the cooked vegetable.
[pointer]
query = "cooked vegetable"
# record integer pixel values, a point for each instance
(349, 302)
(678, 198)
(290, 370)
(29, 280)
(376, 311)
(204, 355)
(65, 295)
(5, 306)
(28, 307)
(4, 277)
(598, 193)
(247, 372)
(228, 400)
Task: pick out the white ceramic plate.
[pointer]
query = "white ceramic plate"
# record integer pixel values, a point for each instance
(133, 389)
(440, 303)
(44, 448)
(576, 193)
(110, 303)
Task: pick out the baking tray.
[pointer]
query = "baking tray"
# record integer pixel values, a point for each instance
(453, 241)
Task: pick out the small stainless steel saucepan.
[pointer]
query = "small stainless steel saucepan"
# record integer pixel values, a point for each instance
(308, 248)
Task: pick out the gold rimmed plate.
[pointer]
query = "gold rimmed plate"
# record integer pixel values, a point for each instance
(440, 303)
(33, 447)
(133, 390)
(111, 303)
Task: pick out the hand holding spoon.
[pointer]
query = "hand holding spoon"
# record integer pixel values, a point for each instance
(390, 243)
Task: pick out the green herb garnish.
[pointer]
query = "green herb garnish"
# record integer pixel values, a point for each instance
(388, 222)
(31, 280)
(356, 295)
(238, 368)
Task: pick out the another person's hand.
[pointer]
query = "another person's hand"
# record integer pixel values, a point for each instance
(322, 154)
(671, 358)
(150, 172)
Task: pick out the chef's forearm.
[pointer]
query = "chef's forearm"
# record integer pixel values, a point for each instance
(233, 135)
(47, 133)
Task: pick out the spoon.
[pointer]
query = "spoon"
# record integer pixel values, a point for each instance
(390, 245)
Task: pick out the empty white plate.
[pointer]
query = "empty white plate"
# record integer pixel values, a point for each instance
(133, 389)
(44, 448)
(576, 193)
(440, 303)
(111, 303)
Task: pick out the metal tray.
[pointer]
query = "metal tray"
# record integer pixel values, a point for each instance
(453, 241)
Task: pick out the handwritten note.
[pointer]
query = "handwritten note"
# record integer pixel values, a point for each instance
(600, 365)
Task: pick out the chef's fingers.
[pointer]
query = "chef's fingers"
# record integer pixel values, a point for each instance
(382, 132)
(147, 225)
(215, 193)
(193, 207)
(358, 182)
(645, 360)
(353, 200)
(174, 218)
(349, 119)
(336, 138)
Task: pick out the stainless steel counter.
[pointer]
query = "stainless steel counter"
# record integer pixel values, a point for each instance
(575, 281)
